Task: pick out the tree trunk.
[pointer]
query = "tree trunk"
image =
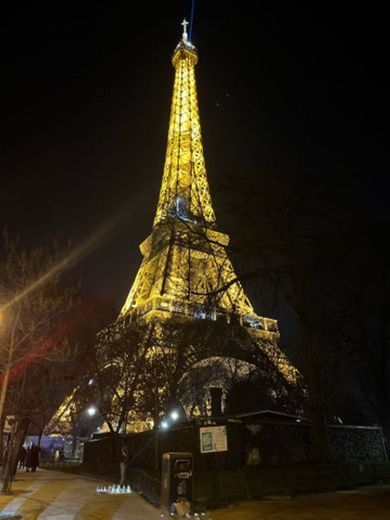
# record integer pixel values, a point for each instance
(3, 395)
(385, 423)
(74, 444)
(2, 423)
(319, 432)
(320, 438)
(40, 437)
(16, 441)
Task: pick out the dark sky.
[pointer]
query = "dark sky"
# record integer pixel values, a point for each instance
(283, 91)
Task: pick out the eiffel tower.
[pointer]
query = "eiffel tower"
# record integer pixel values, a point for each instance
(186, 272)
(185, 269)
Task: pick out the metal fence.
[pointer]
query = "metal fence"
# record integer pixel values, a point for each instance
(224, 486)
(139, 480)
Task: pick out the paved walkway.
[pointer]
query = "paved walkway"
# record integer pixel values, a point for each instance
(60, 496)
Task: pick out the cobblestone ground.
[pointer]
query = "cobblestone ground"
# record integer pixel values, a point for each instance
(366, 503)
(59, 496)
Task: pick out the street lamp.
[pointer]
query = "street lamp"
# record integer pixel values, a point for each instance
(174, 415)
(164, 425)
(91, 411)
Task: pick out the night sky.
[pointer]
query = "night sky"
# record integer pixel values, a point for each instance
(283, 91)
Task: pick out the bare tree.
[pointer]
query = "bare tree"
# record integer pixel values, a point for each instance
(113, 377)
(359, 332)
(281, 244)
(34, 300)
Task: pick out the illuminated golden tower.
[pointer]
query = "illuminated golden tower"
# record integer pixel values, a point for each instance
(185, 269)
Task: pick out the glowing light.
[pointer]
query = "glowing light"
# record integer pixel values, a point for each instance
(91, 411)
(164, 425)
(174, 415)
(70, 260)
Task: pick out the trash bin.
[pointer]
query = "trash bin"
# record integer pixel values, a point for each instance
(177, 481)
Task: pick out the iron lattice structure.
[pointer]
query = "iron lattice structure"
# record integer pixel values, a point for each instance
(186, 270)
(186, 273)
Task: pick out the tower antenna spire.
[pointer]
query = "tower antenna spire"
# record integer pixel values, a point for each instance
(184, 23)
(192, 18)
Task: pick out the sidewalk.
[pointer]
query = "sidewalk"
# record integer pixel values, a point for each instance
(60, 496)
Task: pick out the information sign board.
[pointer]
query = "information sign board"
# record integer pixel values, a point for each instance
(213, 439)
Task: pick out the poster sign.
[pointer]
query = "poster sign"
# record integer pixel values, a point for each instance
(213, 439)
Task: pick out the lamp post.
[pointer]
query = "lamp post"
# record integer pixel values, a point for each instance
(174, 415)
(156, 414)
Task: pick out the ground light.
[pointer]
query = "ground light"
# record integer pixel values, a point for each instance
(113, 490)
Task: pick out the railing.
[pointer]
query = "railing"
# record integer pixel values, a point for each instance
(203, 312)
